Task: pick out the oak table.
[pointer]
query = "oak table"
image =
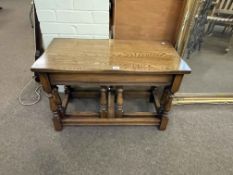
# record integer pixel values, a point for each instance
(114, 67)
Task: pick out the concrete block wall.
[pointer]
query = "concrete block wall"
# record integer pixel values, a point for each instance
(85, 19)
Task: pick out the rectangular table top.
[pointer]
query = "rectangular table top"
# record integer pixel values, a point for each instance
(114, 56)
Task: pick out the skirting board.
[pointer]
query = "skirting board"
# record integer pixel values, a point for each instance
(202, 98)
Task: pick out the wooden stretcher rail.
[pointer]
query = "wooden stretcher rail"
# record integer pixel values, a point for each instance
(110, 121)
(82, 114)
(139, 114)
(124, 114)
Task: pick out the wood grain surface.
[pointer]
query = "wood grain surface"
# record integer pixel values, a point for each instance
(114, 56)
(146, 19)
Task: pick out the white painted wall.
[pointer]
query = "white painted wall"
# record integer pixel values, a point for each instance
(86, 19)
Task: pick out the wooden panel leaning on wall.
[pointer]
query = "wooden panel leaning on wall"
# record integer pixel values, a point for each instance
(112, 66)
(147, 19)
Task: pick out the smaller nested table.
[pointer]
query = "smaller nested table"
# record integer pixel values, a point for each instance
(114, 67)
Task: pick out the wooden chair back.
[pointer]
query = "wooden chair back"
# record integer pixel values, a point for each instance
(223, 7)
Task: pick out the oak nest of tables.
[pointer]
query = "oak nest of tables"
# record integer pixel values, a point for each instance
(118, 68)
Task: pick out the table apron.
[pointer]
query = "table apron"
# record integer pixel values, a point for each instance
(109, 79)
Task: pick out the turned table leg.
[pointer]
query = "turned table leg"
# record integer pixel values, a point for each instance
(56, 108)
(103, 102)
(166, 100)
(119, 111)
(54, 101)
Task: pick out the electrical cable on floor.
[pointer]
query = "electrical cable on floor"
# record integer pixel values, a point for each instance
(37, 92)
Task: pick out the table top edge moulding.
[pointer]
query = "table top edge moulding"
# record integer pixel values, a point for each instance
(110, 56)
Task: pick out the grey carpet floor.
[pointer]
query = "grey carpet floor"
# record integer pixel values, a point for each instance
(198, 140)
